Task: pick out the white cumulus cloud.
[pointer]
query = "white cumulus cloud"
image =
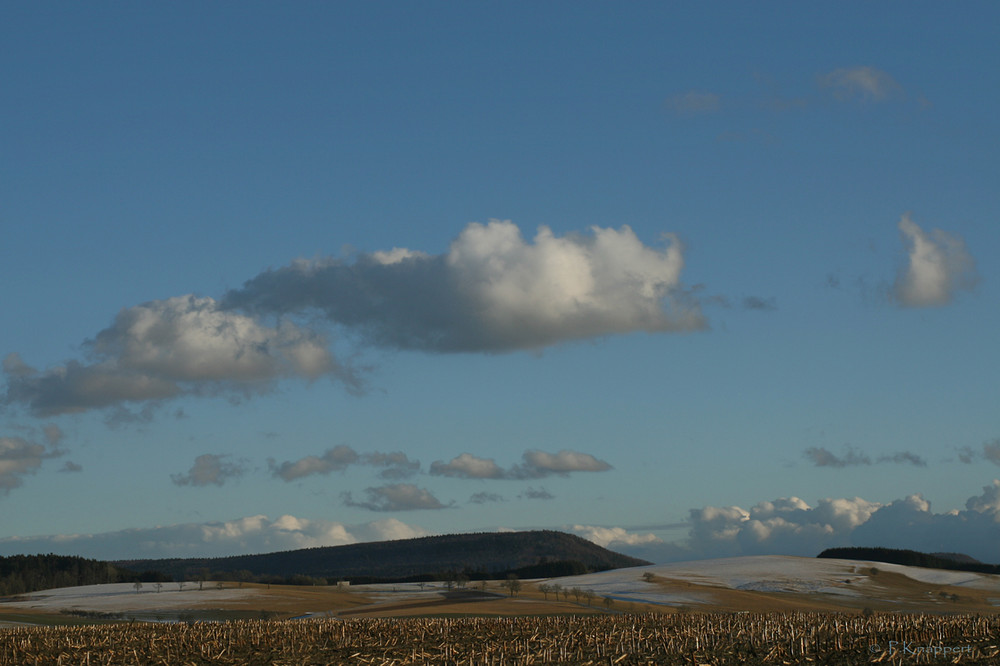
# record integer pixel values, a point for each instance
(247, 535)
(163, 349)
(791, 526)
(938, 265)
(609, 537)
(491, 292)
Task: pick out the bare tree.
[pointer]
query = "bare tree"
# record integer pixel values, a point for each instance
(137, 585)
(545, 589)
(513, 584)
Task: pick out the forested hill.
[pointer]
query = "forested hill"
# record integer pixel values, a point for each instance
(912, 558)
(20, 574)
(530, 554)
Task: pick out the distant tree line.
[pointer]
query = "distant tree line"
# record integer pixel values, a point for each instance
(452, 577)
(20, 574)
(910, 558)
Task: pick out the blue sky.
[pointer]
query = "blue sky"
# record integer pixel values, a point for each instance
(686, 279)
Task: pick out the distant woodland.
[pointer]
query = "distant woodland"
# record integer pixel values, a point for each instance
(20, 574)
(912, 558)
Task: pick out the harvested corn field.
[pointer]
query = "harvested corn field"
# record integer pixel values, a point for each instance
(774, 638)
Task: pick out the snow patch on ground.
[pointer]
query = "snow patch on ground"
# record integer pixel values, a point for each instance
(115, 597)
(766, 573)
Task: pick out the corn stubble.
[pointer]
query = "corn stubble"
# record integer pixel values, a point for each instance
(772, 638)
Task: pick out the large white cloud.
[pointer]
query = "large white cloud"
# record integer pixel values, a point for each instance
(163, 349)
(491, 292)
(938, 265)
(251, 534)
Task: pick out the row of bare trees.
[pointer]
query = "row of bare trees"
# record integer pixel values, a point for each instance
(555, 589)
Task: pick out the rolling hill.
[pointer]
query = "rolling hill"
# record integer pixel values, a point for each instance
(530, 554)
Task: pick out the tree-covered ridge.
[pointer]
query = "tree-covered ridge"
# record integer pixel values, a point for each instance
(910, 558)
(475, 555)
(20, 574)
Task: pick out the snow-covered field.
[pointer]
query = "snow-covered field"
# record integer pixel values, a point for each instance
(121, 597)
(701, 583)
(769, 573)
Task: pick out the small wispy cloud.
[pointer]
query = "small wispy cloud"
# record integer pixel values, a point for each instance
(20, 457)
(536, 494)
(938, 265)
(396, 497)
(335, 459)
(758, 303)
(989, 452)
(694, 102)
(861, 83)
(395, 465)
(486, 498)
(903, 458)
(822, 457)
(210, 469)
(535, 465)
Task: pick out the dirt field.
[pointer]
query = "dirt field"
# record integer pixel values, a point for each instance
(834, 639)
